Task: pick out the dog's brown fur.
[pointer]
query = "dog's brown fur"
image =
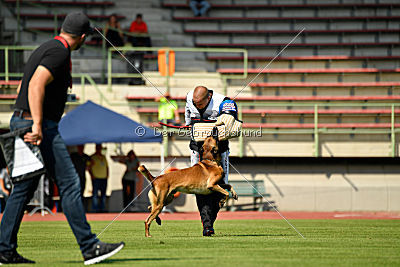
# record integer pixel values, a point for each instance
(201, 178)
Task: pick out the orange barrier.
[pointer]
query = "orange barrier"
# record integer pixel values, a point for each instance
(162, 62)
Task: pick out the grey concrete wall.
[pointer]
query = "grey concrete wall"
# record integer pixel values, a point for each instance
(307, 184)
(328, 185)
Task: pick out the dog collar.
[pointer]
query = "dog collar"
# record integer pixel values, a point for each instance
(212, 160)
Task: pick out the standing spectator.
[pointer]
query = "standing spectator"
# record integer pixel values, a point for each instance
(130, 177)
(80, 161)
(5, 187)
(40, 105)
(199, 7)
(139, 27)
(98, 169)
(113, 31)
(168, 110)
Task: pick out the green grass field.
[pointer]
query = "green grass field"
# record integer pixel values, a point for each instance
(237, 243)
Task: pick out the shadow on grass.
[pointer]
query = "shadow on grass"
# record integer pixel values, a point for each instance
(232, 235)
(135, 260)
(258, 235)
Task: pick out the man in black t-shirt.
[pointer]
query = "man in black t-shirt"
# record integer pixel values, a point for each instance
(40, 104)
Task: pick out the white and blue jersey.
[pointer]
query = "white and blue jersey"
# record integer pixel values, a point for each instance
(228, 106)
(218, 104)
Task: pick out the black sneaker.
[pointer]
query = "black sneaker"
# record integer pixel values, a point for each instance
(208, 231)
(101, 251)
(13, 257)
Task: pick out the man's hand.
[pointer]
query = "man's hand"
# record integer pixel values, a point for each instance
(35, 137)
(37, 84)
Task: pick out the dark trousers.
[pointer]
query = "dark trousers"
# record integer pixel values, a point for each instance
(128, 188)
(59, 165)
(3, 201)
(208, 206)
(140, 41)
(99, 194)
(135, 58)
(82, 181)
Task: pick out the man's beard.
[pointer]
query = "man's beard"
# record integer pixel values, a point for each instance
(81, 43)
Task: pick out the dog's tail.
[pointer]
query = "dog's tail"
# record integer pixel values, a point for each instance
(142, 169)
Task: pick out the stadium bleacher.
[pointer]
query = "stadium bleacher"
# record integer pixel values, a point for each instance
(337, 65)
(333, 93)
(316, 6)
(62, 16)
(331, 62)
(64, 3)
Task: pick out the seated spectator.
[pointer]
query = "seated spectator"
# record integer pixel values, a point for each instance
(139, 27)
(113, 31)
(168, 110)
(199, 7)
(141, 38)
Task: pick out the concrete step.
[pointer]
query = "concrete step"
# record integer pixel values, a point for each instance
(380, 64)
(360, 37)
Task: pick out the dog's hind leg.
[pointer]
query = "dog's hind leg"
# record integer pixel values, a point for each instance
(169, 199)
(156, 209)
(158, 219)
(154, 214)
(153, 199)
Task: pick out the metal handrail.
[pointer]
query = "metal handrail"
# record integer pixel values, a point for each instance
(316, 130)
(6, 48)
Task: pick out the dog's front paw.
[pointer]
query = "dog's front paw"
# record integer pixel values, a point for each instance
(234, 195)
(222, 203)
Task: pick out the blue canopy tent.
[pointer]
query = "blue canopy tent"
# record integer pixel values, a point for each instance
(92, 123)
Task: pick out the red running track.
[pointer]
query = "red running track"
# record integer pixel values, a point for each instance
(224, 215)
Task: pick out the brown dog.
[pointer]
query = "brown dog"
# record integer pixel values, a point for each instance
(201, 178)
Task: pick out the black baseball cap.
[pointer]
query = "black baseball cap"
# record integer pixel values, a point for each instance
(77, 23)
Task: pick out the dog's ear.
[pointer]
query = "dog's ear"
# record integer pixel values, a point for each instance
(215, 132)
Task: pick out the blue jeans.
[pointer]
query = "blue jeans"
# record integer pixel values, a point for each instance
(99, 186)
(59, 166)
(204, 6)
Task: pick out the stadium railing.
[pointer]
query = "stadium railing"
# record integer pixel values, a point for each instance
(7, 75)
(315, 128)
